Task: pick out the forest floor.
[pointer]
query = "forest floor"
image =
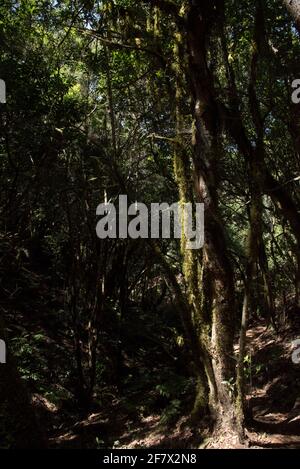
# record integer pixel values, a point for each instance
(274, 397)
(273, 400)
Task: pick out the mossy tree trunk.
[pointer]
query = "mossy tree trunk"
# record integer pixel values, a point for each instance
(192, 267)
(207, 150)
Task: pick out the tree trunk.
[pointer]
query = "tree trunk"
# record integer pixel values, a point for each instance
(203, 369)
(200, 18)
(191, 258)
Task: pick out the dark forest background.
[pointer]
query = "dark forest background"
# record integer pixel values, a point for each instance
(145, 343)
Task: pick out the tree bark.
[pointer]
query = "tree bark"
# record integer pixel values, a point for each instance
(203, 369)
(200, 18)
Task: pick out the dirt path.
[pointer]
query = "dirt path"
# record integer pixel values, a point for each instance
(273, 400)
(274, 390)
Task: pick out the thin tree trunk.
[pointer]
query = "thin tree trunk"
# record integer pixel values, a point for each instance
(203, 367)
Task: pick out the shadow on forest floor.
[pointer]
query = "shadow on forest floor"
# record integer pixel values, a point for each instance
(274, 390)
(117, 429)
(273, 401)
